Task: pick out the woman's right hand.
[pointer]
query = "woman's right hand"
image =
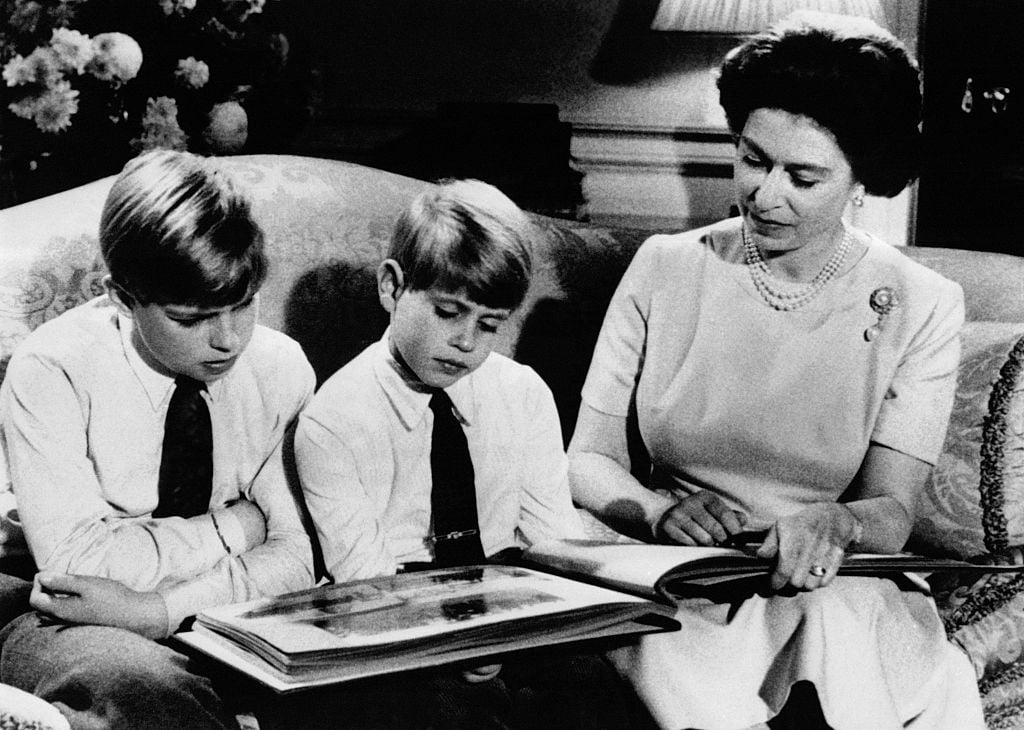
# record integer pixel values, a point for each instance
(701, 518)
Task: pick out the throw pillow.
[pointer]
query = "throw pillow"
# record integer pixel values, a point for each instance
(986, 617)
(957, 515)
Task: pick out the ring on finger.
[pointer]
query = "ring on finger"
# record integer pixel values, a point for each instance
(818, 571)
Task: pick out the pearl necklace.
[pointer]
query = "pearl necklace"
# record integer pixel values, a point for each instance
(779, 295)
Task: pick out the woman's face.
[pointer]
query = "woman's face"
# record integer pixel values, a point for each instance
(792, 181)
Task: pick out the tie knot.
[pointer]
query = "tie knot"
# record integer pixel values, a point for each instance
(440, 402)
(187, 384)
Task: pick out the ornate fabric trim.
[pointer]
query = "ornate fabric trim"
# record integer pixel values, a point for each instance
(992, 446)
(984, 597)
(1008, 676)
(991, 592)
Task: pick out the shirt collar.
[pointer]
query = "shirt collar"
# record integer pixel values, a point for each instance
(158, 386)
(408, 396)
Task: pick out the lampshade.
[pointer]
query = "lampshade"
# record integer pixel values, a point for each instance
(751, 16)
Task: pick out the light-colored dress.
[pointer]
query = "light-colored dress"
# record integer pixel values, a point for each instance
(772, 411)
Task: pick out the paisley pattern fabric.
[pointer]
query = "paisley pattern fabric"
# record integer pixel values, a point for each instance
(68, 273)
(986, 617)
(950, 517)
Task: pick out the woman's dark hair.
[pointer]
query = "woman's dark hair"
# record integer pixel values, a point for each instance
(849, 75)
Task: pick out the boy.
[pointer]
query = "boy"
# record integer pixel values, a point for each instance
(144, 432)
(458, 268)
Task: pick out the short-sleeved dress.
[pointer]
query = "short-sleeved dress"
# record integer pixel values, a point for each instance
(771, 411)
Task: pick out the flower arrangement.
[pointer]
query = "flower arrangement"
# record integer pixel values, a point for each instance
(89, 83)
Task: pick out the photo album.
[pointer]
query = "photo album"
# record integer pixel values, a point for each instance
(562, 591)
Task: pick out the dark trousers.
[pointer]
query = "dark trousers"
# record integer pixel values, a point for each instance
(541, 690)
(14, 593)
(103, 678)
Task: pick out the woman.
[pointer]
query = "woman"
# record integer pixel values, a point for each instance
(784, 373)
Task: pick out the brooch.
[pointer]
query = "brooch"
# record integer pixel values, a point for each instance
(883, 300)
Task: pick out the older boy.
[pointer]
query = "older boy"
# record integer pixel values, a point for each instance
(144, 433)
(381, 450)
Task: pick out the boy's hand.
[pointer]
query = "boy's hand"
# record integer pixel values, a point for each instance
(253, 523)
(82, 599)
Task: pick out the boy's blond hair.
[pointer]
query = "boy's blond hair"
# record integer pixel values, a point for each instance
(174, 230)
(465, 234)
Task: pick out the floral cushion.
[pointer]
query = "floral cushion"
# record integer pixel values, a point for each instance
(952, 519)
(1003, 699)
(985, 616)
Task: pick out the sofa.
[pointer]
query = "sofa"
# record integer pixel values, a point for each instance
(327, 225)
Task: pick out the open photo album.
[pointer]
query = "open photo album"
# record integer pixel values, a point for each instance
(349, 631)
(564, 591)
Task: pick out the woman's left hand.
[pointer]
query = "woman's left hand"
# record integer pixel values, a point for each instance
(808, 546)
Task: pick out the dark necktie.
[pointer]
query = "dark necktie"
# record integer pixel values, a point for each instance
(186, 463)
(453, 495)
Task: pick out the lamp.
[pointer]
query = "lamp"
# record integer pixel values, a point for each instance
(751, 16)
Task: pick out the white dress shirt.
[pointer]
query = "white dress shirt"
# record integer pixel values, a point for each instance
(363, 452)
(82, 422)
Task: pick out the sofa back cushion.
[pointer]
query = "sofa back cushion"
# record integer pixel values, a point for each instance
(323, 219)
(328, 224)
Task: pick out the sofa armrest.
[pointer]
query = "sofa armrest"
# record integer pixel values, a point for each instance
(984, 615)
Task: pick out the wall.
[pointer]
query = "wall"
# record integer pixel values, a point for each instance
(647, 129)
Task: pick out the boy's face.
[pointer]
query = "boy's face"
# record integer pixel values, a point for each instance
(201, 342)
(441, 336)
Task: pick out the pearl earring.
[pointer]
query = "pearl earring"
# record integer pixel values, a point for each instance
(858, 199)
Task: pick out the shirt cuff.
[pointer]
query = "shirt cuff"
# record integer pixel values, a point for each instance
(184, 600)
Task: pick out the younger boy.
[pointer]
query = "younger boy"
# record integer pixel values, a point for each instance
(369, 455)
(144, 433)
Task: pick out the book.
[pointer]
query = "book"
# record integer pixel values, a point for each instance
(563, 591)
(342, 632)
(672, 572)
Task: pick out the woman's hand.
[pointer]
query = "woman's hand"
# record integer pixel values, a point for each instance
(699, 519)
(809, 545)
(82, 599)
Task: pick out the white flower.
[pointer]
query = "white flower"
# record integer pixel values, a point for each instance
(55, 107)
(17, 71)
(227, 128)
(160, 128)
(181, 7)
(72, 49)
(24, 108)
(26, 16)
(118, 57)
(40, 67)
(240, 10)
(192, 73)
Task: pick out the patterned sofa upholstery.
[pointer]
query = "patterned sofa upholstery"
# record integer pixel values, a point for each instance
(328, 224)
